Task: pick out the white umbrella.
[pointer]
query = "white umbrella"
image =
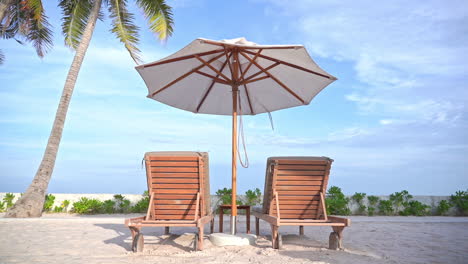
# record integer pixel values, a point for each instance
(234, 77)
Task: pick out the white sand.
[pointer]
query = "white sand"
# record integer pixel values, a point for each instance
(59, 238)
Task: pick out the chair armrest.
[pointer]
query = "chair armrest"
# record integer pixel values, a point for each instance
(337, 219)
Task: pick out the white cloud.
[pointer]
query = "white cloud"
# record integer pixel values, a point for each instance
(406, 110)
(407, 55)
(386, 121)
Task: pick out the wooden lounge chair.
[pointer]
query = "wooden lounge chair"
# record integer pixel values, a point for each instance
(294, 195)
(178, 184)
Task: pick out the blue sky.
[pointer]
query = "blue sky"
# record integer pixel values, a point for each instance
(396, 118)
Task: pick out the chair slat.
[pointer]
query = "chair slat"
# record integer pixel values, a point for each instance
(301, 167)
(174, 169)
(175, 158)
(156, 175)
(179, 186)
(174, 201)
(175, 163)
(301, 172)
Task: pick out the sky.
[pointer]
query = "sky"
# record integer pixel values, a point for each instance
(396, 118)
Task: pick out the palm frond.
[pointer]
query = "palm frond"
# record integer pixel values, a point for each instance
(37, 10)
(124, 28)
(10, 24)
(40, 35)
(75, 17)
(27, 19)
(159, 16)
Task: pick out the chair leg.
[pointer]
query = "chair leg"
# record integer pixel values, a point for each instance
(248, 219)
(274, 236)
(301, 230)
(134, 231)
(200, 238)
(221, 220)
(137, 239)
(166, 230)
(336, 238)
(212, 226)
(257, 226)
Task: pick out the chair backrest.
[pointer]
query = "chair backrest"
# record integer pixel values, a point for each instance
(298, 182)
(174, 179)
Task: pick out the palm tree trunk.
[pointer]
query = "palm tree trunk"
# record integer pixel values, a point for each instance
(32, 202)
(3, 8)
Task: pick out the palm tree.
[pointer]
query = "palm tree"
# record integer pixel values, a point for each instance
(79, 20)
(25, 19)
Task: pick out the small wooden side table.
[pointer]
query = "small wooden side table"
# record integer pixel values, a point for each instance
(239, 207)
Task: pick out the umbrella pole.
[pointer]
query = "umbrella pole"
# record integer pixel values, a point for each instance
(234, 161)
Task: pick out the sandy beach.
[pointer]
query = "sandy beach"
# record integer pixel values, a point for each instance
(57, 238)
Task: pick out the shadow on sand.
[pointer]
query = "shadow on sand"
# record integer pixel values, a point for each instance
(302, 247)
(123, 239)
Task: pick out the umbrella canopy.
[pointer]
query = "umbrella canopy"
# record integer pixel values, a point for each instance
(270, 77)
(234, 77)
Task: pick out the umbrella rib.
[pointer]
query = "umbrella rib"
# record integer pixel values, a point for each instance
(180, 58)
(212, 68)
(246, 90)
(184, 76)
(291, 65)
(260, 72)
(211, 86)
(256, 79)
(215, 78)
(250, 64)
(275, 79)
(228, 58)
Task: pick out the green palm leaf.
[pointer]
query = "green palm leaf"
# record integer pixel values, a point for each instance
(37, 10)
(27, 19)
(124, 28)
(75, 17)
(159, 16)
(40, 35)
(10, 25)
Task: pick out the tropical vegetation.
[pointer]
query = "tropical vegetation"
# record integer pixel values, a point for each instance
(78, 24)
(25, 21)
(337, 203)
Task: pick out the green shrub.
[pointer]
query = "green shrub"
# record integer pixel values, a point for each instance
(225, 198)
(385, 207)
(87, 206)
(2, 207)
(48, 203)
(358, 198)
(65, 204)
(416, 208)
(108, 207)
(362, 210)
(373, 201)
(337, 203)
(142, 205)
(62, 208)
(443, 207)
(460, 201)
(253, 196)
(8, 199)
(400, 201)
(123, 204)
